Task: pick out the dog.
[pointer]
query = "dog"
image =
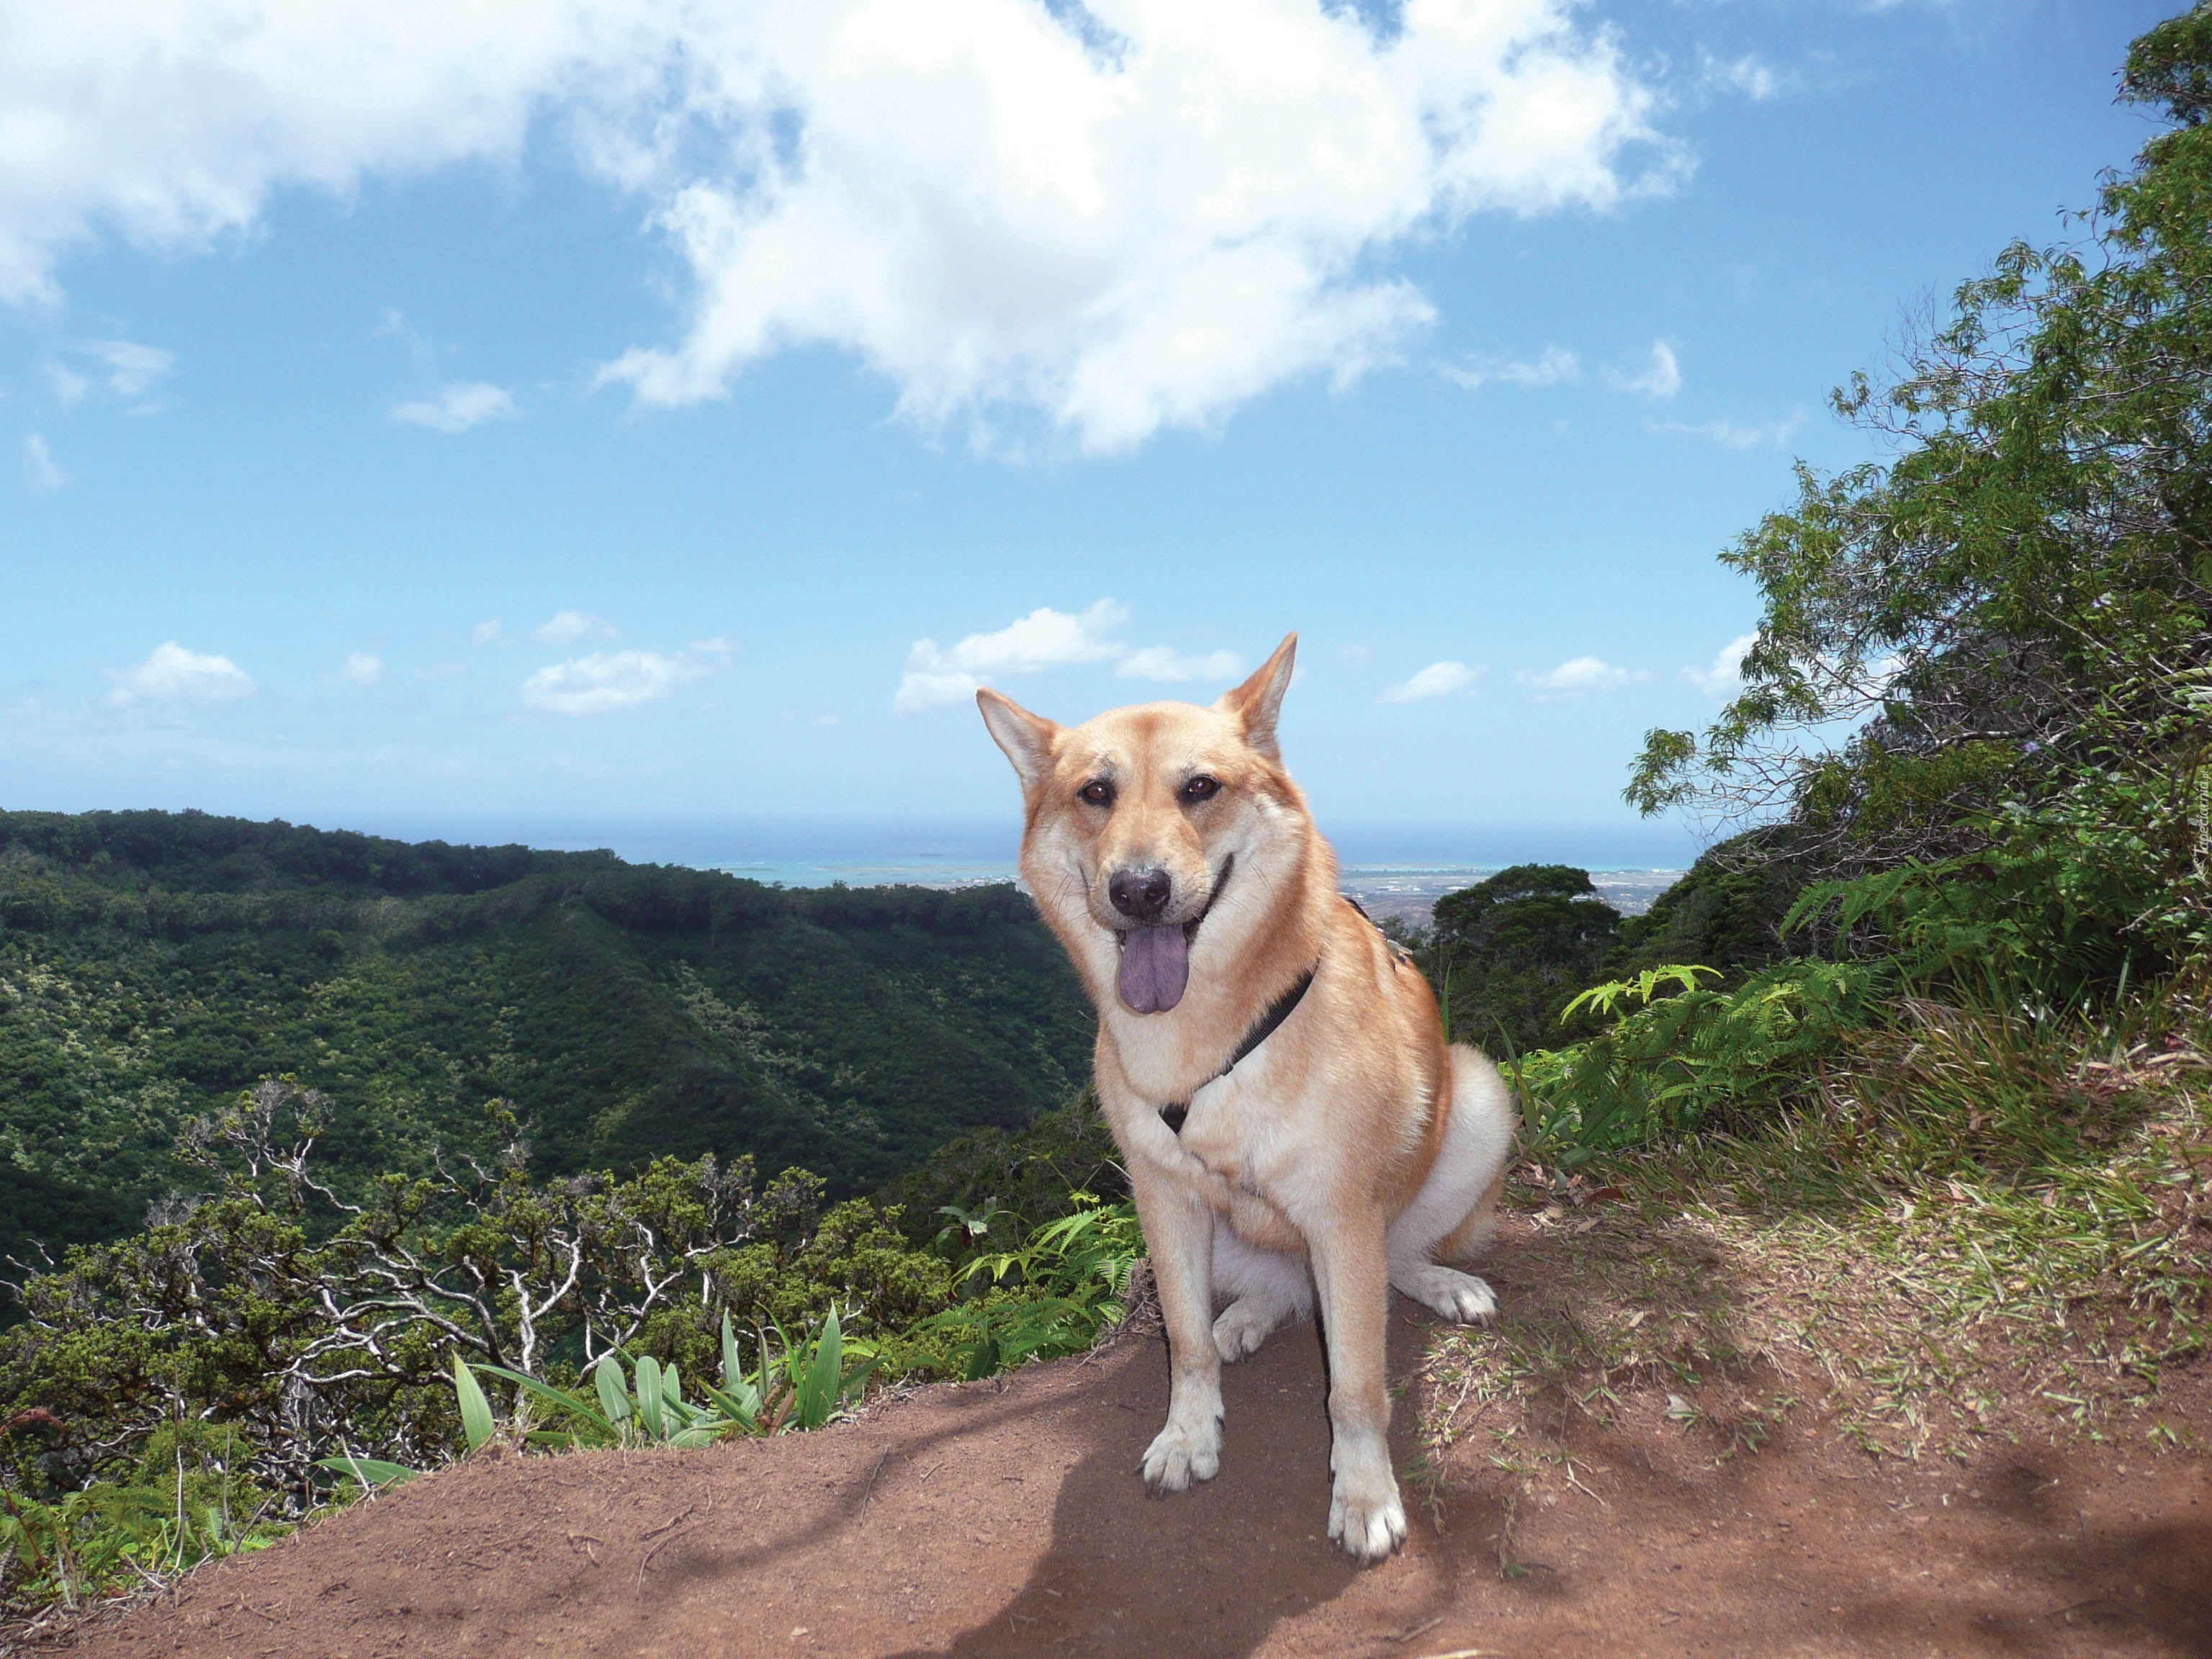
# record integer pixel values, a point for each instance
(1272, 1067)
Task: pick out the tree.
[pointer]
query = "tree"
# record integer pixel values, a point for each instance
(1998, 640)
(1512, 951)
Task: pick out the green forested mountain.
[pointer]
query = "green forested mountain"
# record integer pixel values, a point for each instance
(152, 964)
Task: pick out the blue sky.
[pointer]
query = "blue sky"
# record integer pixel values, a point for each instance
(586, 422)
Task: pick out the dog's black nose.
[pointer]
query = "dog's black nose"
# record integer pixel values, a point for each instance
(1140, 895)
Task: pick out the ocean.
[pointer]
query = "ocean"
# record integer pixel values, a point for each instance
(1407, 890)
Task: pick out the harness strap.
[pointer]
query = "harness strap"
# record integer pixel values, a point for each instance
(1175, 1111)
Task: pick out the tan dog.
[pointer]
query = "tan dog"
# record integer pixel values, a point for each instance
(1274, 1072)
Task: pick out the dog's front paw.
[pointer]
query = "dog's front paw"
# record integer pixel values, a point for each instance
(1179, 1455)
(1366, 1515)
(1461, 1297)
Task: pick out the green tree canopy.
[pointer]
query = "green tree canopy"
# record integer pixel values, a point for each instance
(1516, 946)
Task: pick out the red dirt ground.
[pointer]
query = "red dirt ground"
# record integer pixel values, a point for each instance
(1006, 1517)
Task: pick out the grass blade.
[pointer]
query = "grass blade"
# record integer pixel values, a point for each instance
(613, 1386)
(476, 1410)
(553, 1397)
(373, 1473)
(648, 1397)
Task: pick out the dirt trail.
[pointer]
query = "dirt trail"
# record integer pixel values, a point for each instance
(1004, 1518)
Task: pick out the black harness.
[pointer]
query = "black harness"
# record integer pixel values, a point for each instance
(1175, 1111)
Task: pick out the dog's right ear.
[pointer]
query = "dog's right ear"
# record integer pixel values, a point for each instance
(1026, 737)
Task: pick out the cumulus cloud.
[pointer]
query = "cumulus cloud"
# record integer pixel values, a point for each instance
(1161, 662)
(1734, 434)
(610, 681)
(1725, 677)
(457, 408)
(1358, 654)
(1555, 367)
(41, 470)
(1117, 219)
(69, 386)
(173, 674)
(1438, 679)
(361, 668)
(1660, 378)
(1582, 676)
(488, 633)
(1749, 76)
(937, 675)
(123, 367)
(132, 369)
(562, 628)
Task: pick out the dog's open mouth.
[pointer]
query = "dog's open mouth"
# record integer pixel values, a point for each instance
(1155, 968)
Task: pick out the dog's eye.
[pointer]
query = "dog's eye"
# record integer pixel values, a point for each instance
(1202, 787)
(1098, 791)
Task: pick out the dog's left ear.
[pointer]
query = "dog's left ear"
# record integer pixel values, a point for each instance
(1260, 699)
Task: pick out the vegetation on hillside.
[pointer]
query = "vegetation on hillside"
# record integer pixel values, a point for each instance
(153, 965)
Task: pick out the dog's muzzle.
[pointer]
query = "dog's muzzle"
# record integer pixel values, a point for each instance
(1155, 968)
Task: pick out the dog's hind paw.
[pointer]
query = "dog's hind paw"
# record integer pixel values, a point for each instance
(1244, 1326)
(1370, 1524)
(1461, 1297)
(1179, 1455)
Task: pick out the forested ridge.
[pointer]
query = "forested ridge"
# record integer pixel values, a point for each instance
(153, 965)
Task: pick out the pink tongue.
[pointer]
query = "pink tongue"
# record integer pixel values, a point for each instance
(1155, 968)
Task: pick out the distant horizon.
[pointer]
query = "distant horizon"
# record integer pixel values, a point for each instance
(702, 842)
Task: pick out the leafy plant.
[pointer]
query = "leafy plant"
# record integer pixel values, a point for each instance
(1699, 1056)
(1052, 1296)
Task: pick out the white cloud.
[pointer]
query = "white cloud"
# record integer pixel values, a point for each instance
(1581, 678)
(457, 408)
(488, 633)
(1725, 678)
(1438, 679)
(1732, 434)
(173, 674)
(132, 369)
(1749, 76)
(1161, 662)
(41, 470)
(1555, 367)
(362, 668)
(1357, 654)
(609, 682)
(125, 368)
(1118, 220)
(69, 386)
(1660, 378)
(562, 628)
(937, 675)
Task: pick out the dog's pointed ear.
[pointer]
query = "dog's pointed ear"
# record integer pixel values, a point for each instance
(1026, 737)
(1259, 700)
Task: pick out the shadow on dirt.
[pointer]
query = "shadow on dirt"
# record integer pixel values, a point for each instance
(1208, 1572)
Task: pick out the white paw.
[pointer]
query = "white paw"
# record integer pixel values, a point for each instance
(1461, 1297)
(1244, 1326)
(1366, 1516)
(1179, 1455)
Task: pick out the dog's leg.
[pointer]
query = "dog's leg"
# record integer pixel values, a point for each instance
(1267, 1287)
(1179, 1232)
(1353, 1275)
(1452, 1212)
